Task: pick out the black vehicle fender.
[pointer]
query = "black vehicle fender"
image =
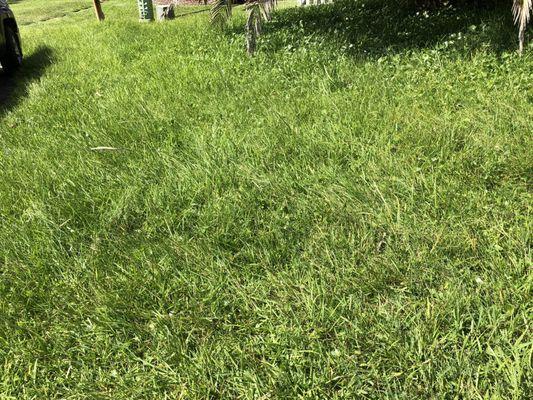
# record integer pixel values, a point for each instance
(5, 22)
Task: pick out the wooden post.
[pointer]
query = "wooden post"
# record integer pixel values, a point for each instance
(98, 10)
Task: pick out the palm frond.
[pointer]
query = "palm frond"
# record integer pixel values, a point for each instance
(253, 25)
(267, 6)
(257, 12)
(522, 12)
(221, 11)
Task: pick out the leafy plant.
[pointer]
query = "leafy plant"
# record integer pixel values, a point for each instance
(257, 12)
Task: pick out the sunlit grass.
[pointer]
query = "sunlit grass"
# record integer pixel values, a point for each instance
(321, 221)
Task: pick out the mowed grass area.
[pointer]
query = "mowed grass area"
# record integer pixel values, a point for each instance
(35, 11)
(346, 215)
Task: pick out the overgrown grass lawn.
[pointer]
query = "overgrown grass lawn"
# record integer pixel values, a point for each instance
(345, 215)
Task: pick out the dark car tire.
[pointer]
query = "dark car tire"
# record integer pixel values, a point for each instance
(12, 58)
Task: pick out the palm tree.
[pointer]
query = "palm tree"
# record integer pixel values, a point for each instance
(522, 12)
(257, 12)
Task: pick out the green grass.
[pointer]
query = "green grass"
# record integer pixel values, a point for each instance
(34, 11)
(346, 215)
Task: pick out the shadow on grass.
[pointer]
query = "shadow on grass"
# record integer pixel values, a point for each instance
(373, 28)
(14, 88)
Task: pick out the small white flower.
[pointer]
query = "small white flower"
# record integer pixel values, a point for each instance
(335, 353)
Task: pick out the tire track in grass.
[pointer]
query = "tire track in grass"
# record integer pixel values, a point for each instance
(56, 17)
